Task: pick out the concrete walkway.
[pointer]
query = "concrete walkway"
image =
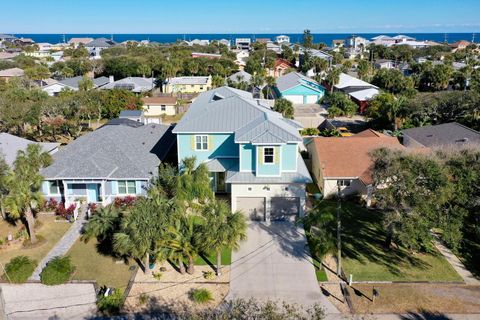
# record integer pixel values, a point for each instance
(65, 243)
(274, 264)
(466, 275)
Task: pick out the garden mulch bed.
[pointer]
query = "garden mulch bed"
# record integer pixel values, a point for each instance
(173, 289)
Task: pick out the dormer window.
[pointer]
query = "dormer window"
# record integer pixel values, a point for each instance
(268, 155)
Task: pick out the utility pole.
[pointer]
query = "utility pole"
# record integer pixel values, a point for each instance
(339, 227)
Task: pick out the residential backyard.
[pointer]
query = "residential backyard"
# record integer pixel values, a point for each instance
(48, 230)
(366, 258)
(91, 264)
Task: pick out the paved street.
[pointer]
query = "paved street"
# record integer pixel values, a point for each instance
(274, 264)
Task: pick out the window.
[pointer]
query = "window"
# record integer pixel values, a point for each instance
(268, 155)
(163, 108)
(127, 187)
(201, 142)
(53, 187)
(344, 183)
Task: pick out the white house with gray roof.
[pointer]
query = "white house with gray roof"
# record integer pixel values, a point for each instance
(133, 84)
(116, 160)
(72, 84)
(252, 152)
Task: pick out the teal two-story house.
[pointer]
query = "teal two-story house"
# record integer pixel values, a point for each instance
(252, 152)
(298, 88)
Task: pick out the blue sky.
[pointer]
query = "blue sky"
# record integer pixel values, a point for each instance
(246, 16)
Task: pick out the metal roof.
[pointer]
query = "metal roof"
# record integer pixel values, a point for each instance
(221, 164)
(73, 82)
(227, 110)
(113, 152)
(188, 80)
(294, 79)
(134, 84)
(301, 176)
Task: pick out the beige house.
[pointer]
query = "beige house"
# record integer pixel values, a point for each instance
(188, 84)
(344, 163)
(155, 107)
(7, 74)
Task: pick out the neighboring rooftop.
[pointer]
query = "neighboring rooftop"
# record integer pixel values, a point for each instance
(113, 152)
(73, 82)
(12, 72)
(134, 84)
(10, 145)
(447, 134)
(294, 79)
(189, 80)
(80, 40)
(160, 100)
(240, 76)
(346, 81)
(101, 43)
(349, 157)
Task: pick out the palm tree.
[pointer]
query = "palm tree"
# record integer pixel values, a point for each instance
(393, 108)
(141, 229)
(23, 186)
(270, 84)
(103, 224)
(222, 229)
(179, 242)
(256, 81)
(144, 69)
(333, 77)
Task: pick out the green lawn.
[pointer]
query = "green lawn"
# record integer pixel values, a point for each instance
(211, 259)
(365, 257)
(48, 231)
(92, 265)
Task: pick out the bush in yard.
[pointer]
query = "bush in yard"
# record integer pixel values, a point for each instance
(57, 271)
(124, 202)
(65, 212)
(201, 295)
(19, 269)
(111, 304)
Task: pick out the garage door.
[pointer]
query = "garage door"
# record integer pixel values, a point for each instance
(284, 208)
(312, 99)
(297, 99)
(253, 208)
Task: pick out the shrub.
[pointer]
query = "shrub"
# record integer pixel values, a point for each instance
(57, 271)
(124, 202)
(157, 275)
(110, 305)
(65, 212)
(201, 295)
(143, 299)
(209, 275)
(51, 205)
(19, 269)
(309, 132)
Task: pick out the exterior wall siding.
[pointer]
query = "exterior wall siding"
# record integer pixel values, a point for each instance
(220, 145)
(303, 90)
(289, 157)
(268, 169)
(156, 110)
(247, 157)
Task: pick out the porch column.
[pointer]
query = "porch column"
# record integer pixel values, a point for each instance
(102, 186)
(302, 206)
(65, 192)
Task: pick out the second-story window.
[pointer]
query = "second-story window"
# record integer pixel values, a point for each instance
(163, 107)
(201, 142)
(268, 155)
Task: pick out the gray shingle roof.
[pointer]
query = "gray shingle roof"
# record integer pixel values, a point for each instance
(294, 79)
(221, 164)
(446, 134)
(301, 176)
(114, 152)
(242, 75)
(10, 145)
(73, 82)
(134, 84)
(130, 113)
(101, 43)
(230, 110)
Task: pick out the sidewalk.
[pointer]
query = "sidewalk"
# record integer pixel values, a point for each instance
(466, 275)
(65, 243)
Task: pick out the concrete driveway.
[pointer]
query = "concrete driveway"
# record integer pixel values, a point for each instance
(274, 264)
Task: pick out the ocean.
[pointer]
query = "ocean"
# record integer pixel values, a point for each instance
(294, 37)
